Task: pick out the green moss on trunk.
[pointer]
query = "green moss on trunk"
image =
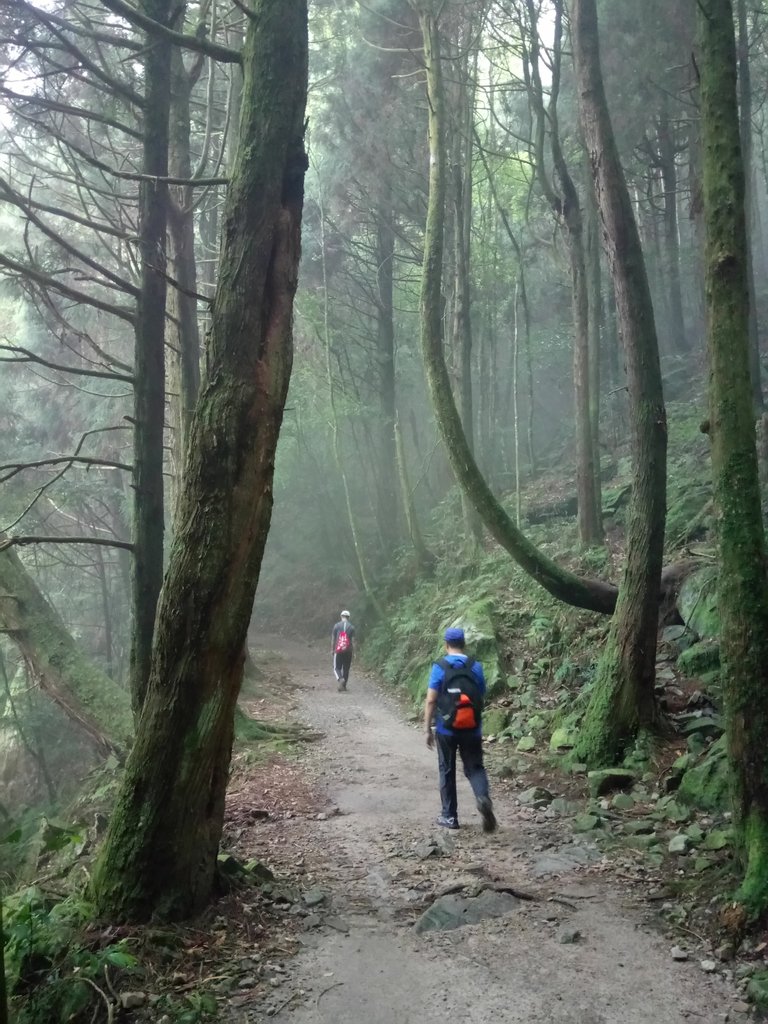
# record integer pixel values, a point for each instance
(584, 593)
(742, 585)
(159, 856)
(149, 358)
(623, 701)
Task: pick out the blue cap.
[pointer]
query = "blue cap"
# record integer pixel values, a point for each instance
(454, 634)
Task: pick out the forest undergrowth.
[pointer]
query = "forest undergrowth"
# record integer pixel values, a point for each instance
(663, 816)
(661, 819)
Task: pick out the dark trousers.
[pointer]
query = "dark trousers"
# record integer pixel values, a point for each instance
(471, 750)
(343, 661)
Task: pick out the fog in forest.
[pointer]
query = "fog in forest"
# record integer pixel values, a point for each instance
(499, 367)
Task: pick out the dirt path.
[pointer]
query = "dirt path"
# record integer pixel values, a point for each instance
(374, 872)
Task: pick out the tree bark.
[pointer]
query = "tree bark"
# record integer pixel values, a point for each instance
(668, 167)
(462, 299)
(149, 360)
(623, 701)
(745, 116)
(4, 1018)
(595, 297)
(181, 229)
(159, 856)
(388, 507)
(87, 696)
(424, 557)
(584, 593)
(743, 588)
(564, 201)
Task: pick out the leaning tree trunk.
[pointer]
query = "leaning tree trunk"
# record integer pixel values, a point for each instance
(623, 701)
(743, 588)
(584, 593)
(159, 856)
(88, 697)
(149, 361)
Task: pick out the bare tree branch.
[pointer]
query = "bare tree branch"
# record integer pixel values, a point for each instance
(196, 42)
(30, 273)
(23, 355)
(19, 467)
(99, 541)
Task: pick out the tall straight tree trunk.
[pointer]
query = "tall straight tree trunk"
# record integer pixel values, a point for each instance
(159, 855)
(623, 702)
(745, 115)
(388, 505)
(595, 297)
(668, 168)
(516, 399)
(564, 201)
(181, 225)
(743, 588)
(523, 294)
(149, 360)
(424, 557)
(4, 1018)
(341, 463)
(584, 593)
(462, 197)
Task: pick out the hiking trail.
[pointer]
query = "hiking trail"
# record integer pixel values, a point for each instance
(362, 838)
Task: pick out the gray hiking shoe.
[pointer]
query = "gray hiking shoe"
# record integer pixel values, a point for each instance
(485, 806)
(445, 822)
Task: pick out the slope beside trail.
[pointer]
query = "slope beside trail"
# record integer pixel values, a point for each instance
(363, 841)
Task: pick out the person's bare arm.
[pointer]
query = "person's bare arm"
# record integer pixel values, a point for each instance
(429, 714)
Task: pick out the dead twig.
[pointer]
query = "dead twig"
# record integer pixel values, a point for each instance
(325, 991)
(108, 1002)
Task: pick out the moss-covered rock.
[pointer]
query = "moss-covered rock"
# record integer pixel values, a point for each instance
(494, 721)
(477, 621)
(705, 785)
(700, 658)
(607, 780)
(697, 603)
(562, 739)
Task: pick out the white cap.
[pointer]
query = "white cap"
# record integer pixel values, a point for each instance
(345, 615)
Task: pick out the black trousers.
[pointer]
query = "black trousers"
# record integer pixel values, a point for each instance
(470, 749)
(342, 663)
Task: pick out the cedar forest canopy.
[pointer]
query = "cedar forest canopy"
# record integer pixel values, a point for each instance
(532, 263)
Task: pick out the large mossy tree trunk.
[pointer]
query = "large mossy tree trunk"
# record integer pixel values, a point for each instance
(159, 855)
(149, 358)
(623, 701)
(743, 588)
(87, 696)
(584, 593)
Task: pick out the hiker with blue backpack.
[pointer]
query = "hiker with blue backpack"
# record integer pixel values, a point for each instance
(343, 644)
(455, 703)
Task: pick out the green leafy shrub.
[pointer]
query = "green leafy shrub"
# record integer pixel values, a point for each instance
(51, 968)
